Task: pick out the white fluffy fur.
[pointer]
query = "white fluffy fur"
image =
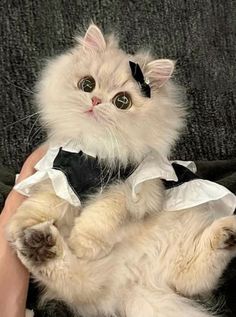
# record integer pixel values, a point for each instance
(118, 257)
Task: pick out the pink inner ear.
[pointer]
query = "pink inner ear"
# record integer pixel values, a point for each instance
(90, 41)
(164, 72)
(94, 39)
(161, 71)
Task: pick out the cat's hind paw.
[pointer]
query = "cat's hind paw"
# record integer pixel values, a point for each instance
(224, 233)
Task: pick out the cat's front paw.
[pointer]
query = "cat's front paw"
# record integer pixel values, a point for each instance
(88, 247)
(38, 244)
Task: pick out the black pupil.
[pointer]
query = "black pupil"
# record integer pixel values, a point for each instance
(122, 101)
(88, 84)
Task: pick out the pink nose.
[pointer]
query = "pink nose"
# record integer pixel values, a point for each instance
(96, 101)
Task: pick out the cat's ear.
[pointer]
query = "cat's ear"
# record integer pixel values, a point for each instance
(159, 71)
(94, 39)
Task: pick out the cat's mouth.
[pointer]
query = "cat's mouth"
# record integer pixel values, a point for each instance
(90, 112)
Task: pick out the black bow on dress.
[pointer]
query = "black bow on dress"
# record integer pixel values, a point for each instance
(138, 76)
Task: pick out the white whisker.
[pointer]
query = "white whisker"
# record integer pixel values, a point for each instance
(22, 119)
(23, 89)
(35, 134)
(31, 129)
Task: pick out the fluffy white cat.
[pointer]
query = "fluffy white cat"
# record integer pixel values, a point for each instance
(117, 256)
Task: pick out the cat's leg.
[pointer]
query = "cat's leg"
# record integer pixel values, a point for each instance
(40, 207)
(93, 233)
(158, 304)
(199, 264)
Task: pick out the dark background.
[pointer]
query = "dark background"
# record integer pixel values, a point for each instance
(200, 35)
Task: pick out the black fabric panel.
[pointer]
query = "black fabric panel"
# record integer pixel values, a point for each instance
(183, 174)
(85, 174)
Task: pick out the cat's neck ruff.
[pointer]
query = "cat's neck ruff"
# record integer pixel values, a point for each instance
(112, 156)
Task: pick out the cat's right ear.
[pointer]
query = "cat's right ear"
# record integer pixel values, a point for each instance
(93, 39)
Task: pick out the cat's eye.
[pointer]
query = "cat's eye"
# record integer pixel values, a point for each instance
(87, 84)
(122, 100)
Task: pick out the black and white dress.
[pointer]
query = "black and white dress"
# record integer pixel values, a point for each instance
(76, 173)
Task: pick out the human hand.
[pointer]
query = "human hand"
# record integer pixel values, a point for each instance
(13, 275)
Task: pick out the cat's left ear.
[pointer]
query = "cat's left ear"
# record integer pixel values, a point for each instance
(159, 71)
(94, 39)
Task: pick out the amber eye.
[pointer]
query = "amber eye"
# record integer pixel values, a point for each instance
(122, 100)
(87, 84)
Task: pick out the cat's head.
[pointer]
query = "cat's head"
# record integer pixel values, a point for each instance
(89, 94)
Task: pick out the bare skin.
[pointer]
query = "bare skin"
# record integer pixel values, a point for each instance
(14, 277)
